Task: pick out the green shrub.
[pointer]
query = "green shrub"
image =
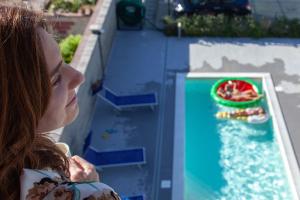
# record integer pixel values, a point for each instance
(170, 25)
(68, 47)
(89, 2)
(232, 26)
(69, 6)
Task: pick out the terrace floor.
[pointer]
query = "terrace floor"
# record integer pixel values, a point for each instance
(276, 8)
(146, 61)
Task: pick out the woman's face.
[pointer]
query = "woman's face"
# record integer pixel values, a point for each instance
(62, 108)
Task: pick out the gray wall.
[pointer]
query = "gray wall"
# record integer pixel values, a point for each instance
(87, 60)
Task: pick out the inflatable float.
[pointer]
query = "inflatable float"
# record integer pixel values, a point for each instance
(236, 92)
(256, 115)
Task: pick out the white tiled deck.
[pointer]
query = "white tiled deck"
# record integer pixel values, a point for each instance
(148, 61)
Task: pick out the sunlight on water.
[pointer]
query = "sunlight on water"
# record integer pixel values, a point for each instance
(251, 164)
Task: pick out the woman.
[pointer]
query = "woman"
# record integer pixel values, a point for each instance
(37, 95)
(231, 92)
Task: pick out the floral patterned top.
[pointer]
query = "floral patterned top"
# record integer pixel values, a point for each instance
(46, 185)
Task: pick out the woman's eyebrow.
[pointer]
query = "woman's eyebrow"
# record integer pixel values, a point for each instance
(56, 68)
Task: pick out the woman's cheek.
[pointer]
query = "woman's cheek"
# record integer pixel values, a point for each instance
(60, 96)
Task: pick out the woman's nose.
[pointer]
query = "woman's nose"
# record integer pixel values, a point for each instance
(77, 78)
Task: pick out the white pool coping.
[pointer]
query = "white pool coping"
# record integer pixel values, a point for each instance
(280, 129)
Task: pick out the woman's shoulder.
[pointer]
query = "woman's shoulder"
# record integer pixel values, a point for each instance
(47, 184)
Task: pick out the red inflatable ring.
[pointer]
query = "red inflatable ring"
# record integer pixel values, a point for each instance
(236, 92)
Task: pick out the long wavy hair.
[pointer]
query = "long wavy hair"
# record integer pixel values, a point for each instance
(25, 90)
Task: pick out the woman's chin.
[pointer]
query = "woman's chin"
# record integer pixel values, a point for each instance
(59, 121)
(71, 115)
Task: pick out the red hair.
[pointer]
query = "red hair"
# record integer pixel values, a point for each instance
(25, 90)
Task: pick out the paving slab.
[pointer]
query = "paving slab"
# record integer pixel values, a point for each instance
(145, 61)
(276, 8)
(136, 65)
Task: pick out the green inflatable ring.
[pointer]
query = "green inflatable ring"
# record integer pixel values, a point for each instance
(237, 104)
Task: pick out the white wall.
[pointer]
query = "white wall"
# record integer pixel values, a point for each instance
(87, 60)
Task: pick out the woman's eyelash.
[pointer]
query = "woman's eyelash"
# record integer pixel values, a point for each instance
(57, 80)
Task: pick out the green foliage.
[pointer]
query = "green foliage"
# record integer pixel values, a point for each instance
(170, 25)
(232, 26)
(68, 47)
(89, 2)
(69, 5)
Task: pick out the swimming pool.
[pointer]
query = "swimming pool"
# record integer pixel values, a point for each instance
(225, 159)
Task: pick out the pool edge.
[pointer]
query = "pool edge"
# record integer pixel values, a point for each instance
(283, 137)
(179, 128)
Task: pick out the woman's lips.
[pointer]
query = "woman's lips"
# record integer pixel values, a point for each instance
(73, 100)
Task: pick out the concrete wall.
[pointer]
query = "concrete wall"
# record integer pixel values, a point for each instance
(87, 60)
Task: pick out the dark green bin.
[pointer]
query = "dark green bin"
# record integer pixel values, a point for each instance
(131, 13)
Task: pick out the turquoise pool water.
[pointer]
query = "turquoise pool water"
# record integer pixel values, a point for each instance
(228, 159)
